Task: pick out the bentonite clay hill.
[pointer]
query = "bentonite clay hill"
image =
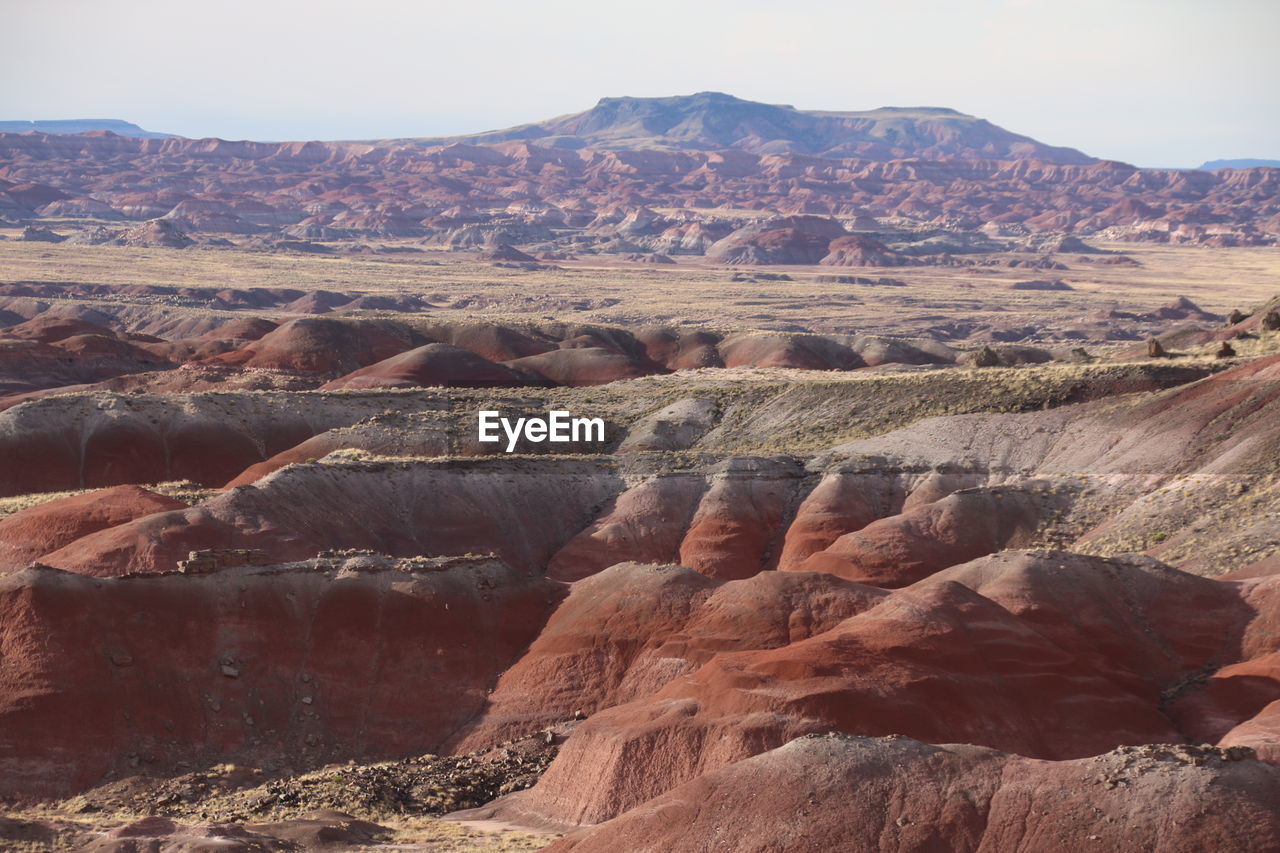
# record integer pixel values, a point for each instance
(631, 177)
(922, 491)
(949, 623)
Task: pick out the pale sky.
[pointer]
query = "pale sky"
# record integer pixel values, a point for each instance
(1151, 82)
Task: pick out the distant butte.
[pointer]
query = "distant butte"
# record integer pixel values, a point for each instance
(712, 121)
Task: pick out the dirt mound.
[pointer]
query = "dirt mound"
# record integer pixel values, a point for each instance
(785, 240)
(740, 517)
(28, 534)
(1041, 284)
(847, 793)
(73, 357)
(806, 352)
(1016, 671)
(678, 350)
(1183, 308)
(155, 233)
(50, 329)
(433, 365)
(103, 439)
(583, 366)
(324, 346)
(627, 631)
(901, 549)
(490, 341)
(318, 302)
(506, 253)
(646, 523)
(859, 250)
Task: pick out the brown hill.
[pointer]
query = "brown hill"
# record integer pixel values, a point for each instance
(712, 121)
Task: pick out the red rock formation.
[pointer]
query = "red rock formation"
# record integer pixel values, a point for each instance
(789, 240)
(433, 365)
(646, 524)
(904, 548)
(583, 366)
(248, 663)
(740, 519)
(846, 793)
(840, 504)
(680, 350)
(28, 534)
(324, 346)
(285, 183)
(524, 515)
(90, 441)
(624, 633)
(490, 341)
(1026, 679)
(804, 352)
(859, 250)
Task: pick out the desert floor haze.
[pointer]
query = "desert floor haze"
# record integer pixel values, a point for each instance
(937, 505)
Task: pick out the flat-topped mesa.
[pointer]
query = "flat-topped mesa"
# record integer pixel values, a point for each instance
(209, 560)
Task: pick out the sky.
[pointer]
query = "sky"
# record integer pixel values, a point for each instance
(1152, 82)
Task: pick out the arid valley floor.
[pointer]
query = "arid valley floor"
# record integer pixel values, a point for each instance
(914, 526)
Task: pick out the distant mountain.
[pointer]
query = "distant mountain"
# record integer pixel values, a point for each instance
(710, 121)
(81, 125)
(1210, 165)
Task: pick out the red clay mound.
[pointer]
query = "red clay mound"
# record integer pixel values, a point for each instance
(242, 329)
(1139, 622)
(739, 519)
(524, 513)
(645, 524)
(904, 548)
(584, 366)
(490, 341)
(47, 330)
(888, 670)
(855, 794)
(841, 503)
(859, 250)
(323, 345)
(1237, 704)
(28, 365)
(248, 664)
(151, 543)
(433, 365)
(318, 302)
(624, 633)
(100, 439)
(805, 352)
(28, 534)
(505, 253)
(680, 350)
(786, 240)
(1260, 733)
